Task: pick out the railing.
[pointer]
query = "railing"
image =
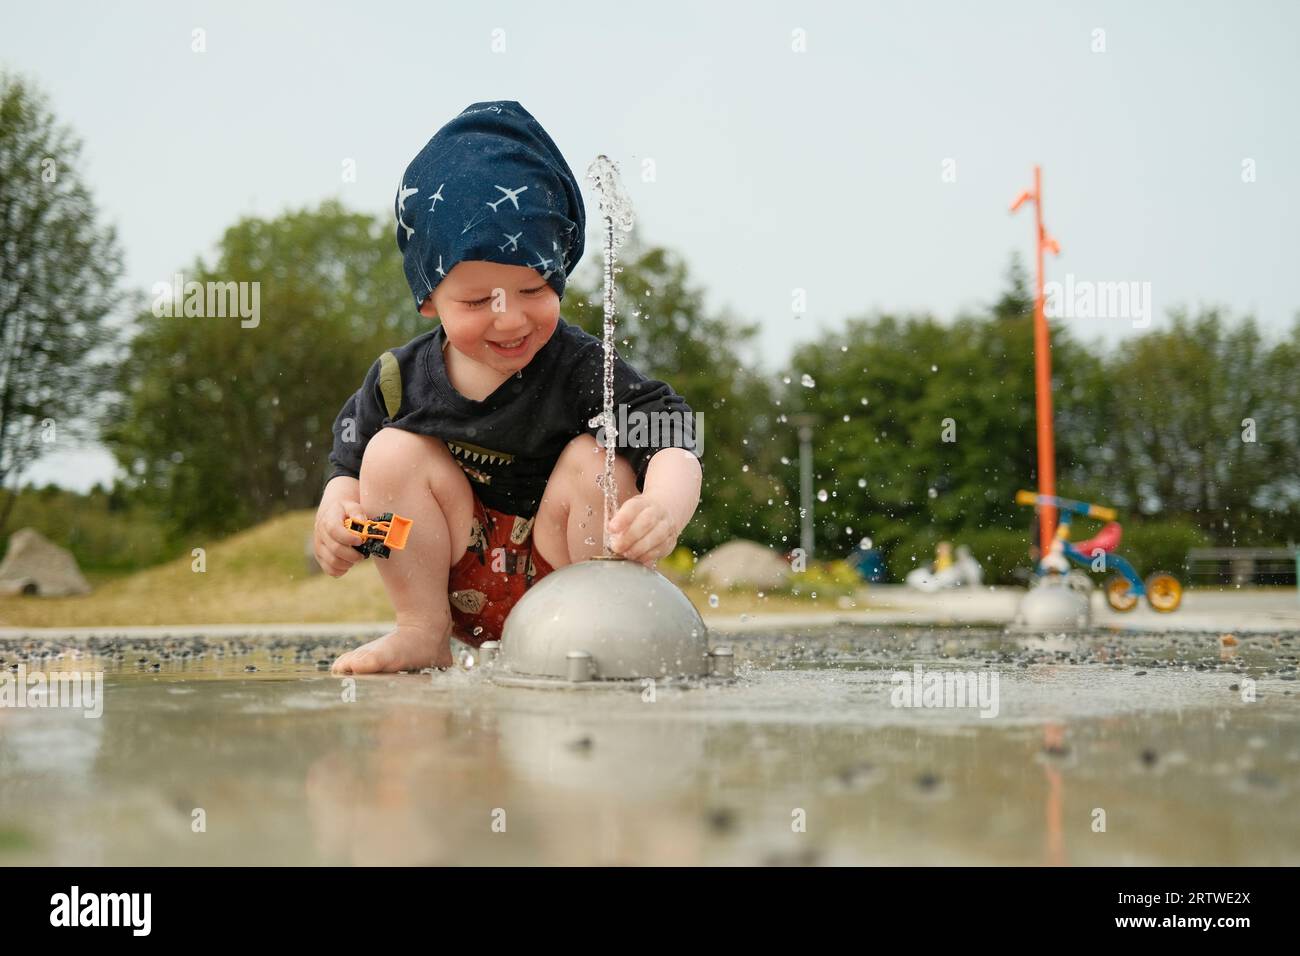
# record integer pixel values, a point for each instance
(1243, 565)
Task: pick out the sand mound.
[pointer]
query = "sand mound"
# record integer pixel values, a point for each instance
(35, 565)
(742, 563)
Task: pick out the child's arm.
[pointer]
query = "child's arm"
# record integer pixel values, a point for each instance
(361, 416)
(645, 529)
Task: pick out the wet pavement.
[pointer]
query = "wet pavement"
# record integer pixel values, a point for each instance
(1107, 748)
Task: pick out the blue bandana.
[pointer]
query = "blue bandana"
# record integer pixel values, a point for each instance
(491, 185)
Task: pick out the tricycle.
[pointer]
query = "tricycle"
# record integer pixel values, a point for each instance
(1123, 589)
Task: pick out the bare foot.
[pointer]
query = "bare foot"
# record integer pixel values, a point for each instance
(406, 648)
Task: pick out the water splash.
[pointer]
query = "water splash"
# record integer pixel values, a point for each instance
(616, 210)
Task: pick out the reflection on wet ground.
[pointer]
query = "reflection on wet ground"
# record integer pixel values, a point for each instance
(1106, 749)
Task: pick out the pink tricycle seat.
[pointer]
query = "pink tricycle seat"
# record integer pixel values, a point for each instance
(1107, 539)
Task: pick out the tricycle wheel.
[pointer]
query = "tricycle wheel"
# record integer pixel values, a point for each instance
(1164, 592)
(1119, 593)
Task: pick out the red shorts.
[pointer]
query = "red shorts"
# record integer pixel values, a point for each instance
(499, 565)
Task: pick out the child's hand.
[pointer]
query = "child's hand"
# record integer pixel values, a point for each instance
(642, 530)
(334, 543)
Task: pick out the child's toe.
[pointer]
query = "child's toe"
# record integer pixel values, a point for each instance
(367, 660)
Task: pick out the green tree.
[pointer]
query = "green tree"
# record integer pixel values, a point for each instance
(1203, 425)
(930, 425)
(1278, 499)
(58, 275)
(224, 423)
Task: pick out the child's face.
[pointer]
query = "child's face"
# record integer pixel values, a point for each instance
(485, 304)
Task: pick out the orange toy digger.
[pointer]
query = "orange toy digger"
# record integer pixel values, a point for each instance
(379, 535)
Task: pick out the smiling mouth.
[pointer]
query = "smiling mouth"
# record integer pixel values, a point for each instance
(511, 346)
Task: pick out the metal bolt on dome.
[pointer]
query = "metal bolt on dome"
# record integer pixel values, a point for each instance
(580, 666)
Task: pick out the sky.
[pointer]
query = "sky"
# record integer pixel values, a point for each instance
(864, 153)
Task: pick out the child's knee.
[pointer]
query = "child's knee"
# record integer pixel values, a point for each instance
(387, 457)
(582, 452)
(394, 456)
(582, 462)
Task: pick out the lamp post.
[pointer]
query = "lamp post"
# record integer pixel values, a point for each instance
(1042, 367)
(805, 423)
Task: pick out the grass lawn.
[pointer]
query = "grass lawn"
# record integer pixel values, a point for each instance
(259, 576)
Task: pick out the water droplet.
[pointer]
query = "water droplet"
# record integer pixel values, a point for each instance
(785, 460)
(934, 368)
(865, 544)
(615, 206)
(822, 495)
(713, 600)
(785, 379)
(864, 401)
(588, 540)
(862, 482)
(807, 381)
(846, 418)
(934, 493)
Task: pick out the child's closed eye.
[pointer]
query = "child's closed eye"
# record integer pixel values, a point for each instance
(479, 303)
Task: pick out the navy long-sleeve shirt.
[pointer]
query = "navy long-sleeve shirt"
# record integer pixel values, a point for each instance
(508, 443)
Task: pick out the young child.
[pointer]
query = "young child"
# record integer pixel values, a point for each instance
(479, 431)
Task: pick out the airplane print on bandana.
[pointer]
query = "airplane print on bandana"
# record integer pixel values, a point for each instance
(546, 265)
(404, 193)
(436, 196)
(542, 263)
(511, 194)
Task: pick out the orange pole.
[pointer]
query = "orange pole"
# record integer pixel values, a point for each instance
(1043, 384)
(1042, 367)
